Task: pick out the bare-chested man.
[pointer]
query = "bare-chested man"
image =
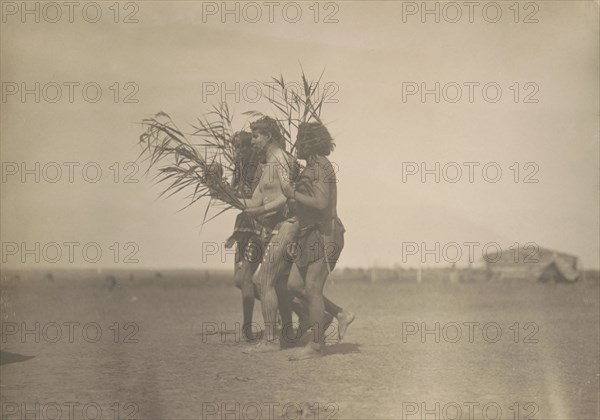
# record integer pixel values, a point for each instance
(246, 232)
(321, 233)
(270, 204)
(250, 237)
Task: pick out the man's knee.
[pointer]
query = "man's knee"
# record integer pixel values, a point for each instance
(242, 275)
(312, 288)
(259, 284)
(238, 279)
(257, 279)
(295, 288)
(295, 282)
(241, 281)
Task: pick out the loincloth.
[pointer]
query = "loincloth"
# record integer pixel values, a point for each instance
(312, 244)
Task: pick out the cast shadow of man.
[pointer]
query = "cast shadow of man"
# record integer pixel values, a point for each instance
(342, 348)
(7, 357)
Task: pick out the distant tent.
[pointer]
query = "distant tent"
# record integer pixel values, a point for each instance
(533, 263)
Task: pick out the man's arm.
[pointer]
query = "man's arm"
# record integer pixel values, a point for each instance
(318, 194)
(256, 199)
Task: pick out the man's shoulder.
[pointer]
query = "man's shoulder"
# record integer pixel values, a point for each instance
(281, 157)
(325, 168)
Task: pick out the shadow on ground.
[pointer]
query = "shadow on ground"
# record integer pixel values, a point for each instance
(342, 348)
(7, 357)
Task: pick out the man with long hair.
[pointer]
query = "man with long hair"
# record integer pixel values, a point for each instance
(269, 203)
(320, 233)
(246, 232)
(249, 236)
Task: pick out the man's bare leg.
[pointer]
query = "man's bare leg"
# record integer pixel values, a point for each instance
(314, 279)
(344, 317)
(271, 269)
(283, 295)
(243, 273)
(285, 311)
(300, 307)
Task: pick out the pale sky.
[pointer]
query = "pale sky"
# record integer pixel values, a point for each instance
(369, 54)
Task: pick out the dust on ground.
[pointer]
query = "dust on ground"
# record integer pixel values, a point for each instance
(152, 360)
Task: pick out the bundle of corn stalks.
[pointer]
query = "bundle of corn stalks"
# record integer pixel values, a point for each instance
(204, 168)
(200, 168)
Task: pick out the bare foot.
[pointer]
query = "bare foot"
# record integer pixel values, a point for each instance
(327, 321)
(250, 336)
(290, 337)
(344, 318)
(310, 351)
(263, 347)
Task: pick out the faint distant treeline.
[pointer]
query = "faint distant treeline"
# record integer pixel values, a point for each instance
(114, 278)
(445, 274)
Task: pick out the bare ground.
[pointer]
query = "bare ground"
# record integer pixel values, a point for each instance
(160, 365)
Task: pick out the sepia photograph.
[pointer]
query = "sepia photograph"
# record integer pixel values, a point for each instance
(311, 209)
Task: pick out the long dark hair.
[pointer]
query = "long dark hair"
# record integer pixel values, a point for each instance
(268, 125)
(315, 139)
(246, 172)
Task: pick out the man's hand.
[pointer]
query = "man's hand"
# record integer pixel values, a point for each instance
(230, 242)
(288, 190)
(254, 211)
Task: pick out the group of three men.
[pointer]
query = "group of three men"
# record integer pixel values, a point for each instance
(291, 223)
